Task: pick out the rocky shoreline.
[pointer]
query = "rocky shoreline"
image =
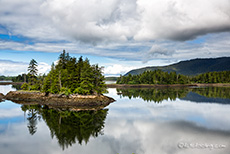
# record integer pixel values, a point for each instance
(73, 102)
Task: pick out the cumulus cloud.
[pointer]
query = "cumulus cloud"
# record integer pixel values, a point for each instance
(111, 20)
(157, 51)
(182, 20)
(95, 21)
(117, 69)
(140, 30)
(10, 67)
(23, 18)
(43, 68)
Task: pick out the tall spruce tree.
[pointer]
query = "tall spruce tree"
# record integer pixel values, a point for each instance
(32, 69)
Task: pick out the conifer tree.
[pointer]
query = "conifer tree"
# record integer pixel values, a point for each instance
(32, 69)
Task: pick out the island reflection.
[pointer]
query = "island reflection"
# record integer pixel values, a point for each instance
(69, 127)
(198, 95)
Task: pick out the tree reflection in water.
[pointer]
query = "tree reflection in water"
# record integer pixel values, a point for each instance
(68, 127)
(154, 94)
(157, 95)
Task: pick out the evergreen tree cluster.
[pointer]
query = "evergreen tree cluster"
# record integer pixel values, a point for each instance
(212, 77)
(69, 76)
(154, 77)
(6, 78)
(21, 78)
(161, 77)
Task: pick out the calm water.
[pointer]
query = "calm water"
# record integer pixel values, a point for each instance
(141, 121)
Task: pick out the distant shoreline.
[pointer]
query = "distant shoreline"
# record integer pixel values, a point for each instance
(11, 83)
(167, 85)
(147, 85)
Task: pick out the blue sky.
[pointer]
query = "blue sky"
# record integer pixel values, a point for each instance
(118, 34)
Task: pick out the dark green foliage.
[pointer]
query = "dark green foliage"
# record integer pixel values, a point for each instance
(67, 77)
(154, 77)
(6, 78)
(160, 77)
(212, 77)
(32, 69)
(25, 86)
(74, 76)
(190, 67)
(17, 86)
(111, 78)
(21, 78)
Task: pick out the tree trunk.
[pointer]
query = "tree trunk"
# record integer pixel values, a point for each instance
(59, 79)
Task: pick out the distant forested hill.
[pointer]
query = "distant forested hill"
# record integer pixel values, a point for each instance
(191, 67)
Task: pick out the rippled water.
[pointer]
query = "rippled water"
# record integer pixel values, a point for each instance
(141, 121)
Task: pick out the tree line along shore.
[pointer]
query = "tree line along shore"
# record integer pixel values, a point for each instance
(159, 77)
(71, 75)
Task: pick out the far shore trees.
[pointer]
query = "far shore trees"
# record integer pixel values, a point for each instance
(161, 77)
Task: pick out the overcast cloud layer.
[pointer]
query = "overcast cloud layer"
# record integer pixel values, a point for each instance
(137, 30)
(94, 21)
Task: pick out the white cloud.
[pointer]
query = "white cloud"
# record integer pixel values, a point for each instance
(117, 69)
(13, 68)
(157, 51)
(138, 30)
(23, 18)
(9, 113)
(96, 21)
(43, 68)
(182, 20)
(93, 21)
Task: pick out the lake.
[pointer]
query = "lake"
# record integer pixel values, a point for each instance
(141, 121)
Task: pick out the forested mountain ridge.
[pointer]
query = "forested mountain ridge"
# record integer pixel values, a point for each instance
(190, 67)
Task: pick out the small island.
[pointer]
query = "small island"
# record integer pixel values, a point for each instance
(70, 83)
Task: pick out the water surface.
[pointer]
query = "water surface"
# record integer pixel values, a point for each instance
(141, 121)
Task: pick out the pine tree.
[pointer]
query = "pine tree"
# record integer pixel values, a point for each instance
(32, 69)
